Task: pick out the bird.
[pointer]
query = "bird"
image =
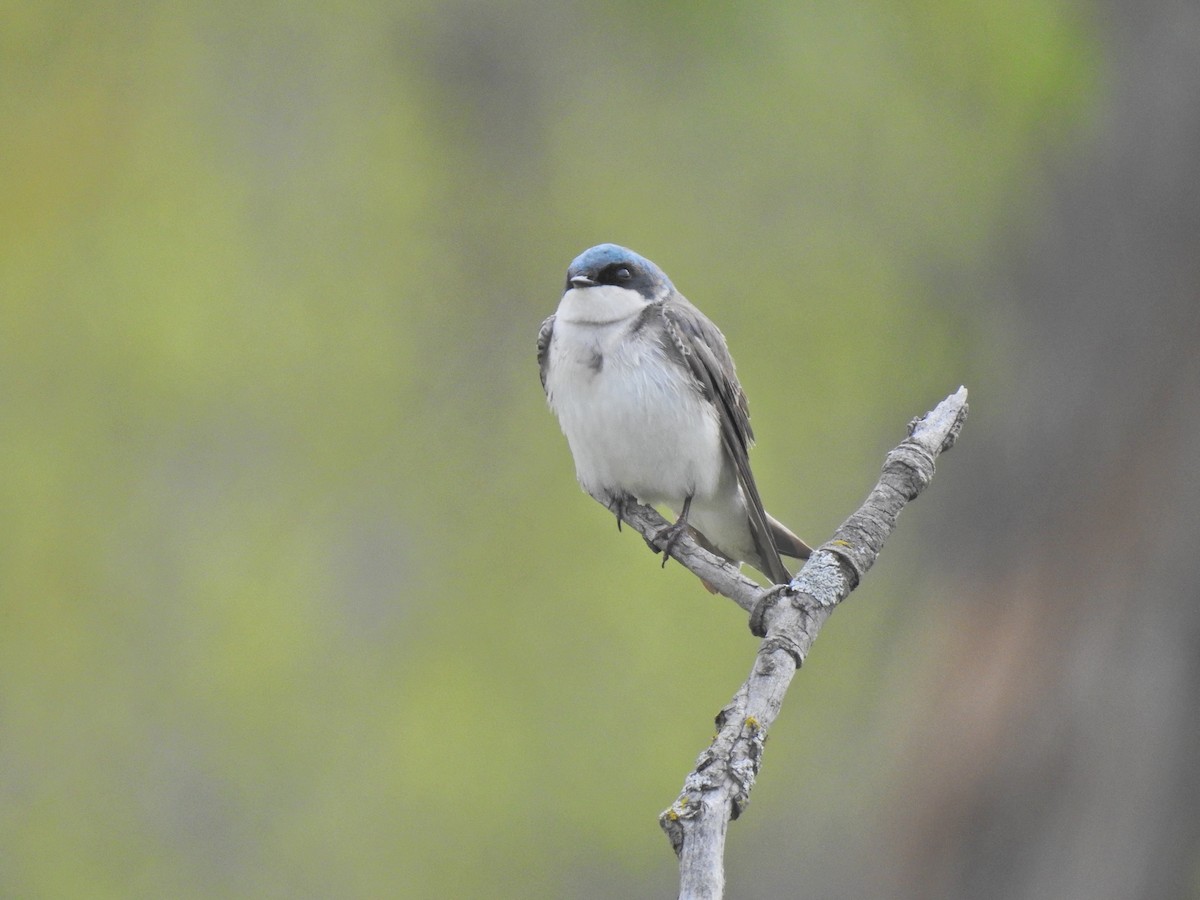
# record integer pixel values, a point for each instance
(646, 393)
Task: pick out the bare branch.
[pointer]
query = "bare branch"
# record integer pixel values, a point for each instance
(788, 618)
(724, 578)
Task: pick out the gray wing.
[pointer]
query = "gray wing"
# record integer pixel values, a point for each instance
(699, 344)
(543, 347)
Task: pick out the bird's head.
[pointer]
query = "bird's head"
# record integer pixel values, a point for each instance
(612, 266)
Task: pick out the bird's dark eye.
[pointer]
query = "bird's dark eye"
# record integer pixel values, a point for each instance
(616, 273)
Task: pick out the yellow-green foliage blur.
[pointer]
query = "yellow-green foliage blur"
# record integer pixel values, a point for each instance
(298, 595)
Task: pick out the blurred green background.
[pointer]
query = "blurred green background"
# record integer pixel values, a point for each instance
(299, 595)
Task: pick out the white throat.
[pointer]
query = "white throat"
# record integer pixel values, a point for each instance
(602, 304)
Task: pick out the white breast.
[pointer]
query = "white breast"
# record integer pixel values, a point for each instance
(633, 418)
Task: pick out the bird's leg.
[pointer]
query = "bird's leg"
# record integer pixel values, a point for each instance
(672, 533)
(617, 504)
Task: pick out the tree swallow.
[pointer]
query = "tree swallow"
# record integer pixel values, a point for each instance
(645, 391)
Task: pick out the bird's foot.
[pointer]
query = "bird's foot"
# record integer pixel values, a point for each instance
(666, 539)
(617, 504)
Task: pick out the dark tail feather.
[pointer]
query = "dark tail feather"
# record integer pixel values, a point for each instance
(786, 542)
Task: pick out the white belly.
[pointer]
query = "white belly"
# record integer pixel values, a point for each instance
(634, 420)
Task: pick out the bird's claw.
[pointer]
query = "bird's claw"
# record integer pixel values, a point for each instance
(618, 504)
(672, 533)
(666, 539)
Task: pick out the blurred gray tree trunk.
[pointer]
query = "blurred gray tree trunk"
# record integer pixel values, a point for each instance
(1060, 757)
